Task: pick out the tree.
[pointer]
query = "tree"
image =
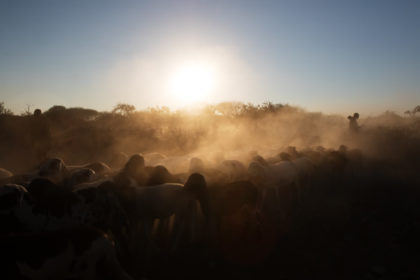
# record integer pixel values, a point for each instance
(28, 111)
(4, 110)
(409, 113)
(413, 112)
(157, 109)
(57, 108)
(123, 109)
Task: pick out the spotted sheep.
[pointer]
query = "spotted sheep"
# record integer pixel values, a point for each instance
(72, 253)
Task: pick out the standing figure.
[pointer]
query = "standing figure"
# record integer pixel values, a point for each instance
(40, 135)
(353, 125)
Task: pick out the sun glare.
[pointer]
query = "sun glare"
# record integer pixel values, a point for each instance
(191, 83)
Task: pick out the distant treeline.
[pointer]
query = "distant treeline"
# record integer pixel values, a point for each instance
(80, 135)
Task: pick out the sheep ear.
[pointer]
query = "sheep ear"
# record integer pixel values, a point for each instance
(196, 180)
(349, 117)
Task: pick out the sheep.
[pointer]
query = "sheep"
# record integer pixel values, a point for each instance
(72, 253)
(12, 197)
(280, 174)
(163, 201)
(160, 175)
(53, 168)
(153, 159)
(118, 160)
(177, 164)
(280, 180)
(53, 206)
(21, 206)
(228, 199)
(80, 176)
(196, 165)
(100, 168)
(213, 176)
(4, 174)
(234, 170)
(306, 170)
(134, 173)
(101, 207)
(6, 177)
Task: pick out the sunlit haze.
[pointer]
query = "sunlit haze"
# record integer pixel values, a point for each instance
(191, 82)
(329, 56)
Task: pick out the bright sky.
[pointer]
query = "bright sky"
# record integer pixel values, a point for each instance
(332, 56)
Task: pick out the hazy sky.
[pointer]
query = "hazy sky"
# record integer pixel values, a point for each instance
(333, 56)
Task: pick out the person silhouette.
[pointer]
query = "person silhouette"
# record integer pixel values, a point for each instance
(353, 125)
(40, 135)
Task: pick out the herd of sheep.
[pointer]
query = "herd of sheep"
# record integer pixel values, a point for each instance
(121, 219)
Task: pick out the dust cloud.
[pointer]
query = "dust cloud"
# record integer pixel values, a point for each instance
(226, 130)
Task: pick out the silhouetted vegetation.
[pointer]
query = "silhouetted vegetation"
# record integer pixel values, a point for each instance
(4, 110)
(80, 134)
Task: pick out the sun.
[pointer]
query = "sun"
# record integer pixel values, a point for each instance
(191, 83)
